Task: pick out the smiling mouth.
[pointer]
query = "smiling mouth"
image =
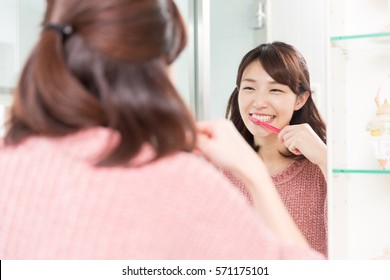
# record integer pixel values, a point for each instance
(262, 118)
(264, 122)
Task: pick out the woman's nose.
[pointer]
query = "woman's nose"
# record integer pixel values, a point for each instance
(260, 99)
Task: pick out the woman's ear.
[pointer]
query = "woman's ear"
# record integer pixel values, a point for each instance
(301, 100)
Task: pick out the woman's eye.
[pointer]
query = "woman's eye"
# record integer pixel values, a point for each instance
(248, 88)
(275, 90)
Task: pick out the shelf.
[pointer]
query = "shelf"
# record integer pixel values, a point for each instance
(385, 35)
(360, 171)
(362, 42)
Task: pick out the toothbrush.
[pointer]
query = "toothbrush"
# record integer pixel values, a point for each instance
(269, 127)
(272, 129)
(265, 125)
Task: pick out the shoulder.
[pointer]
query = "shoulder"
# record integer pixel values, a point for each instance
(194, 170)
(313, 173)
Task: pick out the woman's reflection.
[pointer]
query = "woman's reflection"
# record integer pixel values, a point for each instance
(273, 109)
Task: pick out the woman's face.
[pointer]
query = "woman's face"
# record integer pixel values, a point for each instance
(263, 99)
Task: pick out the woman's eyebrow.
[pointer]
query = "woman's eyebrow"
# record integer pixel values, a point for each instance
(249, 80)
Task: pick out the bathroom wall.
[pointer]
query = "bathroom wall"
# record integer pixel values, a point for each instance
(233, 32)
(9, 43)
(303, 24)
(9, 49)
(19, 30)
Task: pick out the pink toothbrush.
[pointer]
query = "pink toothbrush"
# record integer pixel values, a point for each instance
(265, 125)
(270, 127)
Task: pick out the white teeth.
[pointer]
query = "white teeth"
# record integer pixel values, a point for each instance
(262, 118)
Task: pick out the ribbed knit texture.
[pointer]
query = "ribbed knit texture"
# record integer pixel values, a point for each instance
(302, 188)
(54, 204)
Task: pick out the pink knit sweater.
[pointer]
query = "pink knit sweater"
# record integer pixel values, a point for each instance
(54, 204)
(302, 188)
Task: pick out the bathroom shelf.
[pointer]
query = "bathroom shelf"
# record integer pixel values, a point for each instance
(359, 171)
(385, 35)
(367, 42)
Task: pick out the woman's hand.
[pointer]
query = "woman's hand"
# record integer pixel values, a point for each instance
(301, 139)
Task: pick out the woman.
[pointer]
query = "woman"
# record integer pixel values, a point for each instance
(273, 94)
(97, 161)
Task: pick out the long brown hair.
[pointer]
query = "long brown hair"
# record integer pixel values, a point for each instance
(286, 66)
(110, 71)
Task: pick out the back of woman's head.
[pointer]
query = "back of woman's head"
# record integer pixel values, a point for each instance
(286, 66)
(104, 63)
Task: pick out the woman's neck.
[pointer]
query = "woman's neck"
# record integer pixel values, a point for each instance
(269, 152)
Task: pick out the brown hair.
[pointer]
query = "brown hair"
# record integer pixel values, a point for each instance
(288, 67)
(110, 71)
